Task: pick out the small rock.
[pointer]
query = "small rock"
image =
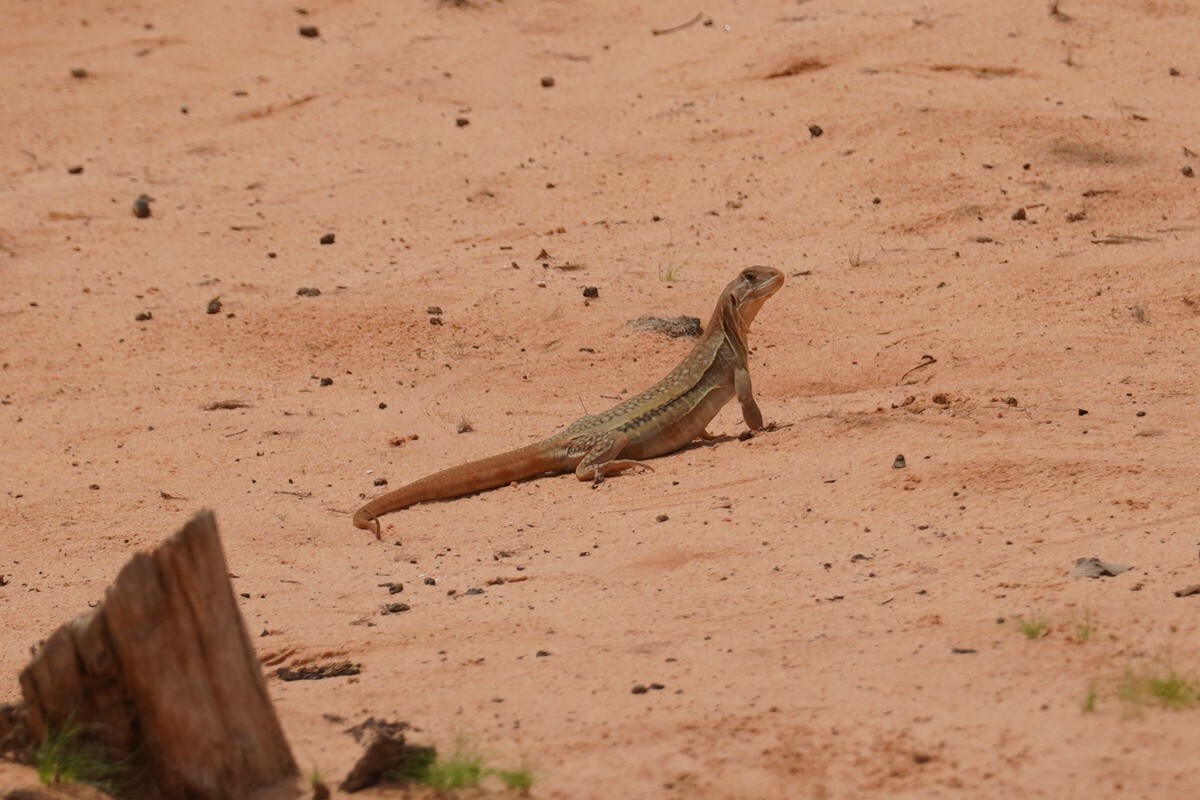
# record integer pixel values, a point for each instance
(547, 81)
(328, 238)
(394, 608)
(308, 291)
(386, 754)
(899, 462)
(1095, 568)
(1187, 171)
(815, 130)
(640, 689)
(317, 672)
(1188, 591)
(429, 581)
(1019, 214)
(1083, 412)
(674, 327)
(474, 590)
(661, 518)
(214, 306)
(141, 206)
(74, 170)
(591, 291)
(327, 381)
(543, 653)
(79, 72)
(309, 31)
(462, 122)
(380, 482)
(143, 316)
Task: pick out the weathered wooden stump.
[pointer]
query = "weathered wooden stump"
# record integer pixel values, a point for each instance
(162, 675)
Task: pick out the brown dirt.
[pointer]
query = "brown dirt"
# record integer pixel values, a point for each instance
(802, 603)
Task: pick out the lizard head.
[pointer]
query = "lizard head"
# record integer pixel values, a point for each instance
(749, 290)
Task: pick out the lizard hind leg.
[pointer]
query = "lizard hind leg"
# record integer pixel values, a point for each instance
(600, 461)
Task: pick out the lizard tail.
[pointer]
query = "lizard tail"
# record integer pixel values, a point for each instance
(469, 478)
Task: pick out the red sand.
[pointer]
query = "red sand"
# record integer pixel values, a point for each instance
(802, 603)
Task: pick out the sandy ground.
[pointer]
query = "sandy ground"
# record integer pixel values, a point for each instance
(822, 624)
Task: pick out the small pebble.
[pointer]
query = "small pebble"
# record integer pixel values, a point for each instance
(640, 689)
(79, 72)
(327, 381)
(1019, 214)
(309, 31)
(74, 170)
(214, 306)
(661, 518)
(430, 582)
(815, 130)
(328, 238)
(141, 206)
(380, 481)
(474, 590)
(462, 122)
(547, 81)
(543, 653)
(143, 316)
(591, 291)
(1188, 172)
(395, 608)
(899, 463)
(308, 291)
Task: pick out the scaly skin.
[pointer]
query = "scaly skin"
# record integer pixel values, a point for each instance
(660, 420)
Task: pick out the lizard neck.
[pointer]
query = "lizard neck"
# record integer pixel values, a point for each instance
(731, 321)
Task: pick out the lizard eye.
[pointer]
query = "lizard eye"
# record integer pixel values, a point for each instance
(750, 275)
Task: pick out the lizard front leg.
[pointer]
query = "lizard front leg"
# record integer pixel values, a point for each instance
(745, 396)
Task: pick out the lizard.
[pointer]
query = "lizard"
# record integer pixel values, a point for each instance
(662, 419)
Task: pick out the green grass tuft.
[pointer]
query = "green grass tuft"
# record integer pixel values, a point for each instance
(1034, 626)
(463, 768)
(1089, 699)
(517, 780)
(1086, 629)
(1169, 689)
(65, 757)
